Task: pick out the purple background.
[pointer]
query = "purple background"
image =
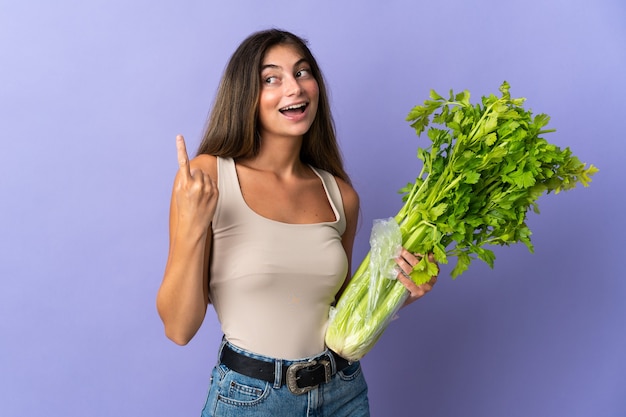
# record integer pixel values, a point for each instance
(92, 94)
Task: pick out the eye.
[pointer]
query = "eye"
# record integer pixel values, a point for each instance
(303, 73)
(270, 80)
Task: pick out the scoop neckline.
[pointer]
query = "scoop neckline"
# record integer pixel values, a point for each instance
(328, 198)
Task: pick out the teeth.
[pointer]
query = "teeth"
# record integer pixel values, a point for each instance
(295, 106)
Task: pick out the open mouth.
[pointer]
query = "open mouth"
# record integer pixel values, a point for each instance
(294, 109)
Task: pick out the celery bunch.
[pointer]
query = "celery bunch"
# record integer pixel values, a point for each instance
(485, 167)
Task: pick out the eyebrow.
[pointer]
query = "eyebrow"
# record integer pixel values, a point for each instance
(274, 66)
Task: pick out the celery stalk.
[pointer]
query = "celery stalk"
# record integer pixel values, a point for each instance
(486, 166)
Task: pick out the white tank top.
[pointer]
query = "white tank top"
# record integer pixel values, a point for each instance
(272, 283)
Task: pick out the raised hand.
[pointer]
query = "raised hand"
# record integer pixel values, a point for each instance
(195, 192)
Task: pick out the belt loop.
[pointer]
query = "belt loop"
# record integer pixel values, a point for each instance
(278, 373)
(221, 348)
(333, 364)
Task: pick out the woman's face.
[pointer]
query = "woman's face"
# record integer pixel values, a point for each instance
(289, 94)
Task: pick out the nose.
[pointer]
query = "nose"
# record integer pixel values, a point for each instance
(292, 86)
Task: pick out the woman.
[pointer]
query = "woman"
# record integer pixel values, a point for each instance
(262, 225)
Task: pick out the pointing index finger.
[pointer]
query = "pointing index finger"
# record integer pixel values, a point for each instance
(183, 159)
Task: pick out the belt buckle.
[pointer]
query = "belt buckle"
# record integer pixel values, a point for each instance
(292, 380)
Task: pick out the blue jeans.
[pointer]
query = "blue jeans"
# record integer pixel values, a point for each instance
(235, 395)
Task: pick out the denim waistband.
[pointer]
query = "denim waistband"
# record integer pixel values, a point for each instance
(282, 364)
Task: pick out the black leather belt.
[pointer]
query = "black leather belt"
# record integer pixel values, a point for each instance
(300, 377)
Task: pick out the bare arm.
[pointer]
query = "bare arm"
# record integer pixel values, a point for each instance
(351, 206)
(406, 261)
(183, 296)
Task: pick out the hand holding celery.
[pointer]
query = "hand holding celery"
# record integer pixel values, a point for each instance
(486, 166)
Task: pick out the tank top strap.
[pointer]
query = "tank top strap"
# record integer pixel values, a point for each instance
(334, 197)
(230, 203)
(226, 174)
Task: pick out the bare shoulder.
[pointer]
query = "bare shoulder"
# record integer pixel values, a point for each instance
(350, 198)
(206, 163)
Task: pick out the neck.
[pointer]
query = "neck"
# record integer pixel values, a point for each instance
(279, 155)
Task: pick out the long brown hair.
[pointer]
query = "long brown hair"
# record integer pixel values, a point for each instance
(232, 126)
